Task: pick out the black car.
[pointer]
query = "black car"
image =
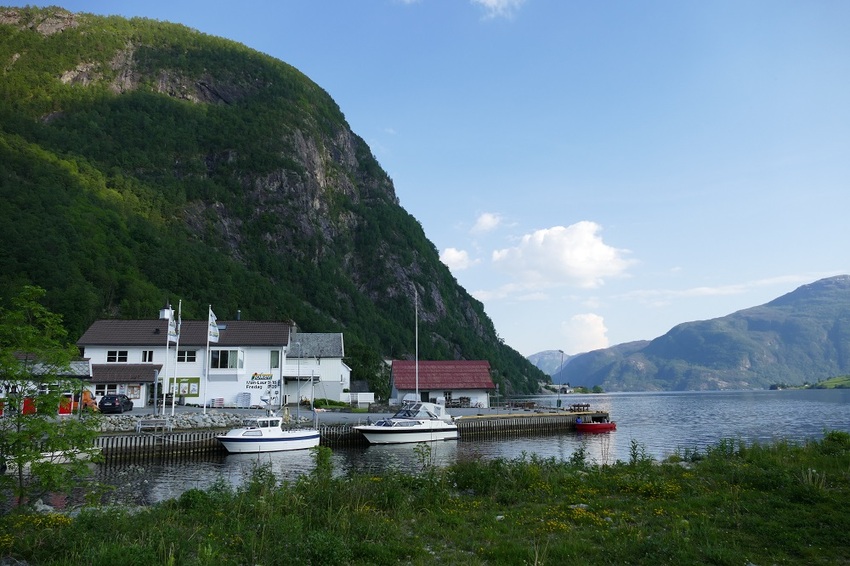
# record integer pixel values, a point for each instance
(115, 404)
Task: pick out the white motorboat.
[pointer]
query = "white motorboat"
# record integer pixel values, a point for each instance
(9, 465)
(415, 422)
(266, 434)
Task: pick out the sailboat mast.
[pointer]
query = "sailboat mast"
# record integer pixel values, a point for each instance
(416, 310)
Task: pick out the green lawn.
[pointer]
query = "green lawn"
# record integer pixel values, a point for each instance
(734, 504)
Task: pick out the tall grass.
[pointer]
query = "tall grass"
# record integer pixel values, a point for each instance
(733, 504)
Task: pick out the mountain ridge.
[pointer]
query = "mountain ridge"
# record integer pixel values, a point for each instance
(801, 336)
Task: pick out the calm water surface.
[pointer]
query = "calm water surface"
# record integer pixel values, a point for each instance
(661, 424)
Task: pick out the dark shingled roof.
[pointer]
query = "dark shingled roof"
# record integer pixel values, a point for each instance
(460, 374)
(192, 333)
(316, 345)
(124, 373)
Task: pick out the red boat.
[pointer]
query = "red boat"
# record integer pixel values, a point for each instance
(595, 426)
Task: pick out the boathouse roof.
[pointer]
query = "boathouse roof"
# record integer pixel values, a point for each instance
(448, 375)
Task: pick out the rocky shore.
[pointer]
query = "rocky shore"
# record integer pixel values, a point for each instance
(215, 419)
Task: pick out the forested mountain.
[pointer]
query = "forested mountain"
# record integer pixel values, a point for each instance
(803, 336)
(143, 162)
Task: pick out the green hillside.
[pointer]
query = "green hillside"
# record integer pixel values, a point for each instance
(801, 337)
(143, 162)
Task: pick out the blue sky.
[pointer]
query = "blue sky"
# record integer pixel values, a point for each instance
(593, 172)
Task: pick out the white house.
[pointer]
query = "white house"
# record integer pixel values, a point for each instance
(244, 368)
(314, 367)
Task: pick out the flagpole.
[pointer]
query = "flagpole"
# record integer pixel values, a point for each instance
(207, 364)
(177, 349)
(211, 334)
(165, 381)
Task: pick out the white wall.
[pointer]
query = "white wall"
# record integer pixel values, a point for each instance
(255, 377)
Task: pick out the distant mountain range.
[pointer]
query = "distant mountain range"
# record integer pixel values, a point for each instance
(800, 337)
(549, 362)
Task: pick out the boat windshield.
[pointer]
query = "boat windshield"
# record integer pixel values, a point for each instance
(260, 423)
(413, 411)
(396, 423)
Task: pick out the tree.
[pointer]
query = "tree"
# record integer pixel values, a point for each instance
(366, 365)
(42, 451)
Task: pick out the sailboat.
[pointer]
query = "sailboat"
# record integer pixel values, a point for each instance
(416, 421)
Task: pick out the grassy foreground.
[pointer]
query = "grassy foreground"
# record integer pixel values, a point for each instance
(735, 504)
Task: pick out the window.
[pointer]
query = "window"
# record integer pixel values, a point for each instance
(187, 356)
(102, 389)
(226, 359)
(147, 356)
(134, 391)
(274, 359)
(116, 356)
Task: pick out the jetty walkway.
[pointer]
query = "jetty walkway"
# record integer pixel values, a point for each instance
(191, 433)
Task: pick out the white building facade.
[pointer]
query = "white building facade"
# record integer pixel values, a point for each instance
(252, 364)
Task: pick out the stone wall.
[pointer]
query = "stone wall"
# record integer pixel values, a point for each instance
(182, 421)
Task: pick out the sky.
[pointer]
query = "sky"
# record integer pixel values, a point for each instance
(593, 172)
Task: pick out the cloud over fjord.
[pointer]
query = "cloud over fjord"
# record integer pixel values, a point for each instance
(573, 255)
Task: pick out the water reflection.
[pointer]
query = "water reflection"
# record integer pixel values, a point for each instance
(657, 423)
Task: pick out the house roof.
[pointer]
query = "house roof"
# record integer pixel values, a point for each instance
(315, 345)
(125, 373)
(192, 333)
(458, 374)
(76, 368)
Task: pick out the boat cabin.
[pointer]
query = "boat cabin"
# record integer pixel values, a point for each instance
(262, 422)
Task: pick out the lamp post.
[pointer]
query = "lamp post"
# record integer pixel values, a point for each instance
(560, 367)
(298, 376)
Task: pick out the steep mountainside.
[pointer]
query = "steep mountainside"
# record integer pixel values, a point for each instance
(144, 162)
(803, 336)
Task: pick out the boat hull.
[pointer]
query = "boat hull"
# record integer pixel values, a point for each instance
(236, 442)
(596, 427)
(403, 435)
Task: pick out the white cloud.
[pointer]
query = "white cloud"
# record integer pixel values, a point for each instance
(574, 255)
(486, 222)
(500, 8)
(584, 332)
(455, 259)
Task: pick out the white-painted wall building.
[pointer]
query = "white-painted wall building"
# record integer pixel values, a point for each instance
(244, 368)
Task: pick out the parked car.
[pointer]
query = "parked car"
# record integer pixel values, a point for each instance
(115, 404)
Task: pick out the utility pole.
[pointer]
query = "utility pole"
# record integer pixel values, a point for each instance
(559, 385)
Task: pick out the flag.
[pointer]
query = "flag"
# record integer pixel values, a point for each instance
(173, 329)
(213, 329)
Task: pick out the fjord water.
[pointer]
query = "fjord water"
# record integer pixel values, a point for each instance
(660, 424)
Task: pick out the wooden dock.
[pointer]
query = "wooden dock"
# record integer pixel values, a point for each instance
(162, 444)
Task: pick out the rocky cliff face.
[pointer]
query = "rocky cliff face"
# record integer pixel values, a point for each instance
(232, 152)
